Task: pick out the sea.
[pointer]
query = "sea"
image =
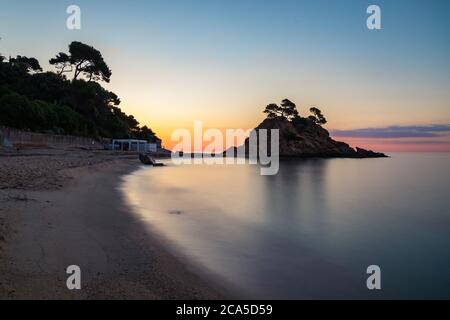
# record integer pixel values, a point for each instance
(319, 229)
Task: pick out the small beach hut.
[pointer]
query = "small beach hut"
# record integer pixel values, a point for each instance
(133, 145)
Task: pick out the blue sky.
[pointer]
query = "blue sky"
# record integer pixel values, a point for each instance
(223, 61)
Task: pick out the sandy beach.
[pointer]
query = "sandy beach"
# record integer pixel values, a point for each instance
(61, 208)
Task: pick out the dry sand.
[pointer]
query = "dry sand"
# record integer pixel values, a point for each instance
(61, 208)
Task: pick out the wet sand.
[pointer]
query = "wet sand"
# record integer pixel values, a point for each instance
(74, 214)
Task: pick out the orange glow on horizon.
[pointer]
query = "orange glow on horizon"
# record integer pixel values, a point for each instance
(166, 136)
(378, 145)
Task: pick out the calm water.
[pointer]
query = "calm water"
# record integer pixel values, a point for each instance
(312, 230)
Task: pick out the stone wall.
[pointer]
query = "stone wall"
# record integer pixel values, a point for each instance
(10, 137)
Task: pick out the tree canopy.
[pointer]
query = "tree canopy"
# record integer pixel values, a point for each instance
(317, 116)
(82, 60)
(288, 110)
(62, 63)
(28, 64)
(31, 99)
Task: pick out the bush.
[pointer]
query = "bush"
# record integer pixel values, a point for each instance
(19, 112)
(16, 111)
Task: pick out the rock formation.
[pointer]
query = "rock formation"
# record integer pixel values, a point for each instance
(305, 138)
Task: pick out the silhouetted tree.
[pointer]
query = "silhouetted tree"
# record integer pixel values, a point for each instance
(145, 133)
(47, 101)
(83, 59)
(317, 116)
(28, 64)
(289, 109)
(273, 111)
(62, 63)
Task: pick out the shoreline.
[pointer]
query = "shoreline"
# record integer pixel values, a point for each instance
(86, 222)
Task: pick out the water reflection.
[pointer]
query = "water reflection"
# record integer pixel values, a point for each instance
(310, 231)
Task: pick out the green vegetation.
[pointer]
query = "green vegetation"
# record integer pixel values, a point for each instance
(288, 110)
(31, 99)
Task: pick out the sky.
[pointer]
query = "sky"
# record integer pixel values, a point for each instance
(222, 61)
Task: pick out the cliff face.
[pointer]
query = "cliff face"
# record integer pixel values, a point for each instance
(305, 138)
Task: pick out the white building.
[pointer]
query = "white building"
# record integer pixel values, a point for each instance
(133, 145)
